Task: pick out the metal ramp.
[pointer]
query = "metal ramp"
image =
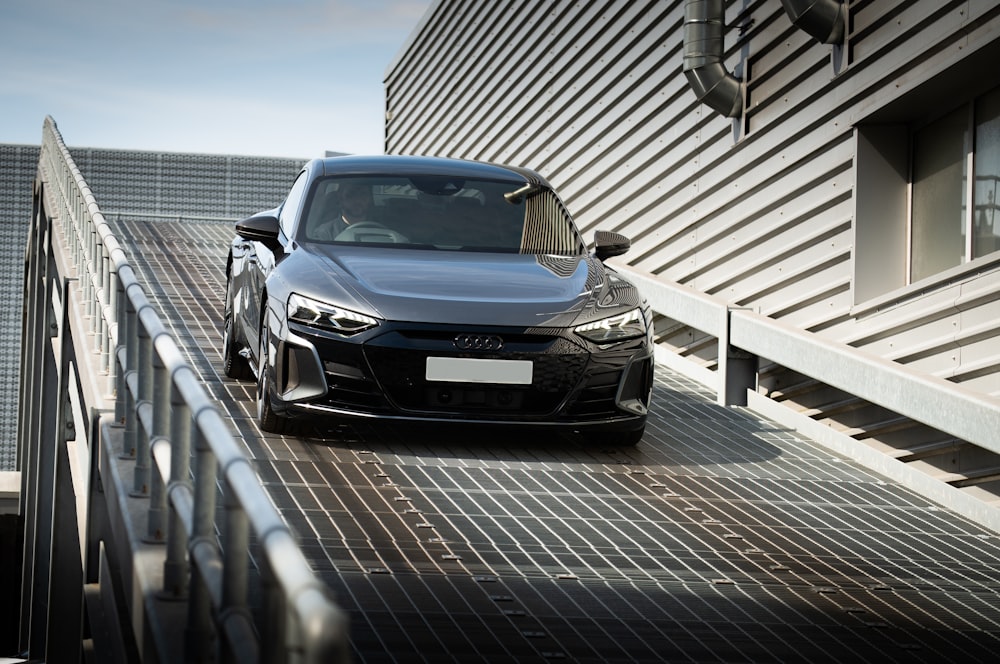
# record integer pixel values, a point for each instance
(721, 537)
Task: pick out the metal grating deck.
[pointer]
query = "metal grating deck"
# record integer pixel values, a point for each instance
(721, 537)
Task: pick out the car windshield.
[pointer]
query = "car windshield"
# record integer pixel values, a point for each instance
(439, 213)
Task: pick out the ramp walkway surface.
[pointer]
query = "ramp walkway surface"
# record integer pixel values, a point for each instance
(721, 537)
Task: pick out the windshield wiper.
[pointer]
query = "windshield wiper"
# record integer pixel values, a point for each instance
(518, 195)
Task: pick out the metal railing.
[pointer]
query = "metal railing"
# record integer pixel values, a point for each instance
(166, 413)
(743, 336)
(746, 335)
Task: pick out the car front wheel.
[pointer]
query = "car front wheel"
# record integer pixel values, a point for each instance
(269, 421)
(233, 364)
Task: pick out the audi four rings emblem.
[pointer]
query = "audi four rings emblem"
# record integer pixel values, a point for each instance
(478, 342)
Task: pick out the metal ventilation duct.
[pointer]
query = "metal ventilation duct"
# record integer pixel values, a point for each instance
(703, 50)
(823, 19)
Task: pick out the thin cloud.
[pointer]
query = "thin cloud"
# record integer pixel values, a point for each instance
(349, 23)
(288, 79)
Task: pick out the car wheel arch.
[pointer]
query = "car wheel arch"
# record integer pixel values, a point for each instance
(269, 420)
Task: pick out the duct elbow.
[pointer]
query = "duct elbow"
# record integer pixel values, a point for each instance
(823, 19)
(712, 84)
(716, 88)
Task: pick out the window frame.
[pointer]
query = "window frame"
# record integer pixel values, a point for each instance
(883, 253)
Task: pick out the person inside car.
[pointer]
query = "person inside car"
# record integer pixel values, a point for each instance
(355, 203)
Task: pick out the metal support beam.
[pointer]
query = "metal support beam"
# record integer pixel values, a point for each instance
(737, 369)
(65, 616)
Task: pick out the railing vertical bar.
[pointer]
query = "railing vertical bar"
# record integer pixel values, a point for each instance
(274, 618)
(235, 566)
(131, 438)
(94, 302)
(73, 232)
(155, 527)
(199, 629)
(100, 308)
(87, 243)
(108, 363)
(143, 435)
(199, 637)
(175, 566)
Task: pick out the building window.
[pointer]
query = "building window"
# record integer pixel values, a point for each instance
(918, 211)
(986, 221)
(937, 217)
(945, 229)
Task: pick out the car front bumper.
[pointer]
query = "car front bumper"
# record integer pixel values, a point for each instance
(385, 375)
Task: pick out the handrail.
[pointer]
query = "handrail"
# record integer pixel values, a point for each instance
(166, 412)
(949, 407)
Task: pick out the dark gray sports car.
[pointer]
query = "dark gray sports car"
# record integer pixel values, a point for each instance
(434, 289)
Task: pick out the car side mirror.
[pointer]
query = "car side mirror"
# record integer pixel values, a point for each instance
(608, 244)
(262, 228)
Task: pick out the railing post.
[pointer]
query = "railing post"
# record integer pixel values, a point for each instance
(274, 618)
(87, 244)
(140, 487)
(155, 528)
(175, 566)
(73, 229)
(235, 566)
(108, 348)
(199, 631)
(737, 370)
(100, 325)
(130, 329)
(93, 284)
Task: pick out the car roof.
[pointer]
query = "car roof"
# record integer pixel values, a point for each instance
(423, 165)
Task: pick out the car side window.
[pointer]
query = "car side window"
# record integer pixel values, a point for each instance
(293, 201)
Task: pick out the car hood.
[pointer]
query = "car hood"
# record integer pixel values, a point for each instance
(425, 286)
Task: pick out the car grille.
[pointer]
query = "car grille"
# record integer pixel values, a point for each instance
(386, 376)
(558, 367)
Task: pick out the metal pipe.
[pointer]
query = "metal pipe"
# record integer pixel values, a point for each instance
(823, 19)
(714, 86)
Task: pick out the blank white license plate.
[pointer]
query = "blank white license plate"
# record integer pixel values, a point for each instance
(472, 370)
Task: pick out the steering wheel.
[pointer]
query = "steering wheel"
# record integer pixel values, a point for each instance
(369, 231)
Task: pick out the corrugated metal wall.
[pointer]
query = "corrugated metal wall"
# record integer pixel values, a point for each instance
(183, 184)
(758, 211)
(18, 164)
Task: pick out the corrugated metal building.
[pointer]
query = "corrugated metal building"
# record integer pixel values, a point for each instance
(18, 164)
(847, 188)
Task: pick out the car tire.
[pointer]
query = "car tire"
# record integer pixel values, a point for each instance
(269, 421)
(233, 364)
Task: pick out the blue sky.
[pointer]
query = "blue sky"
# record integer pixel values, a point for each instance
(289, 78)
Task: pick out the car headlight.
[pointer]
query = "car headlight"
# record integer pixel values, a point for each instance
(624, 326)
(327, 317)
